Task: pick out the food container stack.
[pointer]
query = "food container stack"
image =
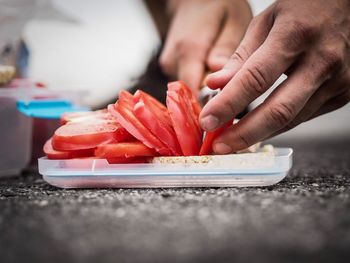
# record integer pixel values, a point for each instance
(23, 103)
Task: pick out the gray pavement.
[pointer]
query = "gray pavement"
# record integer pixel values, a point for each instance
(305, 218)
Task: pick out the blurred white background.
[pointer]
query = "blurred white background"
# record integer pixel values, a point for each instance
(106, 48)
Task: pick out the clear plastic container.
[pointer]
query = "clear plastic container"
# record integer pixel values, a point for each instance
(17, 107)
(243, 170)
(15, 138)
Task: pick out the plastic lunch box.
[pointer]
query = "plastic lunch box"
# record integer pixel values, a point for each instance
(243, 171)
(18, 106)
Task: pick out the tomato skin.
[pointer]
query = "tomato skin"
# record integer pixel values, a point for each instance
(196, 107)
(61, 155)
(207, 146)
(126, 96)
(123, 111)
(186, 132)
(159, 108)
(124, 149)
(80, 136)
(157, 120)
(188, 102)
(184, 116)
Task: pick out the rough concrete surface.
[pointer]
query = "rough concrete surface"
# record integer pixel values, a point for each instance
(305, 218)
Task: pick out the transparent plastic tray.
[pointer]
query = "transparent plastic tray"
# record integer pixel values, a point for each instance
(242, 170)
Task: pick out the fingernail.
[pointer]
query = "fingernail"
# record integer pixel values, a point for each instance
(222, 148)
(210, 123)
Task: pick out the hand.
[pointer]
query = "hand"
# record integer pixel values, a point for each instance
(203, 35)
(309, 41)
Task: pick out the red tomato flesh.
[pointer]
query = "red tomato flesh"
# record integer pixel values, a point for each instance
(160, 109)
(184, 123)
(196, 107)
(157, 120)
(188, 102)
(124, 149)
(123, 111)
(56, 155)
(78, 136)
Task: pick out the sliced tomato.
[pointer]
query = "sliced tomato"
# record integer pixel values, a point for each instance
(124, 149)
(157, 119)
(188, 101)
(122, 160)
(196, 107)
(83, 116)
(51, 153)
(160, 109)
(207, 146)
(125, 96)
(123, 111)
(78, 136)
(185, 124)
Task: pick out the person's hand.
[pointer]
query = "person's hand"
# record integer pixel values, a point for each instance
(309, 41)
(202, 36)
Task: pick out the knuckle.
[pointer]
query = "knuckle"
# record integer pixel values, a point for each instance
(254, 81)
(302, 30)
(241, 54)
(166, 63)
(298, 34)
(332, 59)
(187, 47)
(280, 114)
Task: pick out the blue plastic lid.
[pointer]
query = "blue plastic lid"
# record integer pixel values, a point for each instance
(47, 108)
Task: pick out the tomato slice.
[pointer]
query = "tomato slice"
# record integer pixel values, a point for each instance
(123, 111)
(53, 154)
(160, 109)
(196, 107)
(185, 123)
(124, 149)
(156, 118)
(189, 102)
(86, 135)
(207, 146)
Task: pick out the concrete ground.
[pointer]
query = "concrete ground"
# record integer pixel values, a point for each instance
(305, 218)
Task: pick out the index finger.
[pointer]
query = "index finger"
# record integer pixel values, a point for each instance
(276, 112)
(279, 51)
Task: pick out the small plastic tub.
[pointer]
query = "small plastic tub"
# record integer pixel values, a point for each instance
(20, 110)
(15, 138)
(243, 170)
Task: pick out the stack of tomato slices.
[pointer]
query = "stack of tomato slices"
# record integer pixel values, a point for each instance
(133, 130)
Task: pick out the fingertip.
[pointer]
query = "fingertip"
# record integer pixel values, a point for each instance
(222, 148)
